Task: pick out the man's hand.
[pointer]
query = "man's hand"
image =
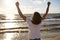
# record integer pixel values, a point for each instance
(17, 4)
(48, 3)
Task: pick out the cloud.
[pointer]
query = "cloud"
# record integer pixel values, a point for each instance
(54, 10)
(28, 9)
(1, 3)
(37, 2)
(31, 2)
(30, 6)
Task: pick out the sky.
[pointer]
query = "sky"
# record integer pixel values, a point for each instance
(29, 6)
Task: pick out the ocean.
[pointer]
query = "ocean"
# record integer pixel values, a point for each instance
(12, 27)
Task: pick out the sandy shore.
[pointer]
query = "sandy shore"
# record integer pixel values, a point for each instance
(54, 38)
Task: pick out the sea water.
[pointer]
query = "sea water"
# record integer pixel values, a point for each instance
(17, 29)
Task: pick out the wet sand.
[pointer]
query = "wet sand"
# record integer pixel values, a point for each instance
(54, 38)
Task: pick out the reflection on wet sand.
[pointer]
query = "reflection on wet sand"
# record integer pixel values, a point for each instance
(8, 36)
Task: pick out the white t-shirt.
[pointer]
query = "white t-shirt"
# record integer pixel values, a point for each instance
(34, 30)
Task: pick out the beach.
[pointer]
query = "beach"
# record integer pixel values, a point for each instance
(54, 38)
(9, 29)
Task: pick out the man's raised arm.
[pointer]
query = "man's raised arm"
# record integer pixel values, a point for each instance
(43, 17)
(19, 11)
